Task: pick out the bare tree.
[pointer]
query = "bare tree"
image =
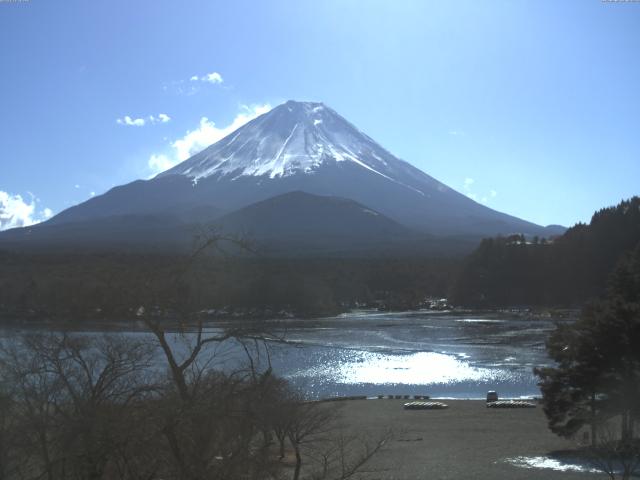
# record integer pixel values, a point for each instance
(210, 415)
(72, 394)
(317, 439)
(307, 422)
(345, 456)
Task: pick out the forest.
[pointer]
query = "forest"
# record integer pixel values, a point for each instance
(564, 271)
(76, 288)
(511, 271)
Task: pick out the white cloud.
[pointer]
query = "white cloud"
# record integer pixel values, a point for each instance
(160, 163)
(141, 122)
(468, 182)
(17, 212)
(132, 122)
(213, 78)
(194, 83)
(456, 133)
(467, 190)
(203, 136)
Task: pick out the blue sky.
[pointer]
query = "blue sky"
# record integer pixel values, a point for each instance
(530, 107)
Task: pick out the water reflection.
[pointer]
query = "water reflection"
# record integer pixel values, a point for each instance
(449, 355)
(560, 465)
(418, 368)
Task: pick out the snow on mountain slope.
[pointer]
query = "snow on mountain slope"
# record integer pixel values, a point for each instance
(293, 138)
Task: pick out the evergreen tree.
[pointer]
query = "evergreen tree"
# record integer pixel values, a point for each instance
(597, 372)
(564, 271)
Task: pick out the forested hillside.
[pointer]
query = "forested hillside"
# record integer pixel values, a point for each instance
(565, 271)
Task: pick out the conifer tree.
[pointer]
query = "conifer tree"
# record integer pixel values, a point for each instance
(597, 372)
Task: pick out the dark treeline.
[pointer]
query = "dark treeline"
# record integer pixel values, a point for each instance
(503, 271)
(565, 271)
(79, 287)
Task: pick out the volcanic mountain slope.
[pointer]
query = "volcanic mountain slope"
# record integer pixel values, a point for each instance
(299, 147)
(300, 222)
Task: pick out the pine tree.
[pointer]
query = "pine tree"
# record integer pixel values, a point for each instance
(597, 372)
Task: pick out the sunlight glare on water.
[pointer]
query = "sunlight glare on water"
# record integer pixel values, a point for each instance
(417, 368)
(552, 464)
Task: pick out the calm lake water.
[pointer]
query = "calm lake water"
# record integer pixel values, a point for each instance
(428, 353)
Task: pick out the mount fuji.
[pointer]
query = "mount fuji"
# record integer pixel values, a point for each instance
(302, 147)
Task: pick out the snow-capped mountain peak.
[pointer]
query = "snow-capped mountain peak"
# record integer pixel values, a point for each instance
(295, 137)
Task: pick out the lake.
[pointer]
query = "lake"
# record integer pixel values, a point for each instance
(441, 354)
(438, 354)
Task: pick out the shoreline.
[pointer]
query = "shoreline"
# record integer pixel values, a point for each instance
(135, 324)
(412, 398)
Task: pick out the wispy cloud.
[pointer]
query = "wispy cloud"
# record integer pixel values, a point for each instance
(15, 211)
(161, 118)
(132, 122)
(208, 133)
(142, 121)
(456, 133)
(204, 135)
(467, 187)
(160, 162)
(194, 83)
(213, 78)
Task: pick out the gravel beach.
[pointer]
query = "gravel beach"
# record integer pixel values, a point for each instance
(465, 441)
